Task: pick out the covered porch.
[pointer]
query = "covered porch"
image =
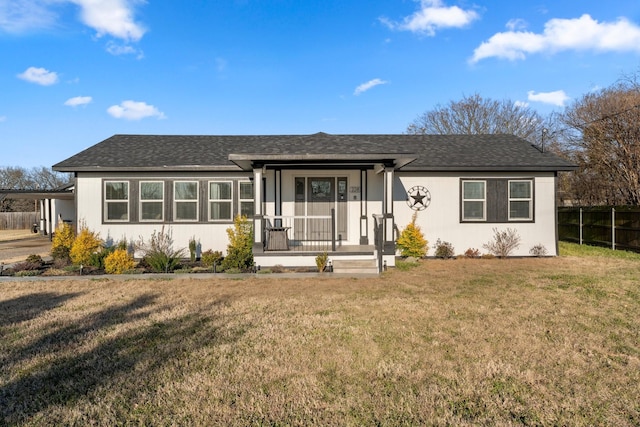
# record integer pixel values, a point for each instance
(305, 205)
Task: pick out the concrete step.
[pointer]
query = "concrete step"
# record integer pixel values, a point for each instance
(355, 266)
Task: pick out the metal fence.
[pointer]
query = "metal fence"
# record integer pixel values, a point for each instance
(17, 220)
(616, 227)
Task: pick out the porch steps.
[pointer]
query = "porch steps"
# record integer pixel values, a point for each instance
(355, 266)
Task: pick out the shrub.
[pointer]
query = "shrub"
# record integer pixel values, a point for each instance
(278, 268)
(118, 262)
(32, 263)
(321, 261)
(443, 249)
(35, 260)
(211, 258)
(411, 241)
(85, 244)
(503, 243)
(538, 250)
(25, 273)
(472, 253)
(193, 246)
(62, 241)
(60, 263)
(159, 254)
(240, 247)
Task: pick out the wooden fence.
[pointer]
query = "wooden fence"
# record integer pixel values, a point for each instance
(17, 220)
(615, 227)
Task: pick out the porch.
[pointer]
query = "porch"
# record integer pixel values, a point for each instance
(295, 241)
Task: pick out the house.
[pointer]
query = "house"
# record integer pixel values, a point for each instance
(348, 195)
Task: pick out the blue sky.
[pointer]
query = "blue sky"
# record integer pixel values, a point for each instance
(74, 72)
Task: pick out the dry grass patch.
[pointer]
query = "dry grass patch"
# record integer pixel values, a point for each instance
(6, 235)
(464, 342)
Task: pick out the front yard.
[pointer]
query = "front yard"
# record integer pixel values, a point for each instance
(551, 341)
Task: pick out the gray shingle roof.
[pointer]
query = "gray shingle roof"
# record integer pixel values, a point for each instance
(426, 152)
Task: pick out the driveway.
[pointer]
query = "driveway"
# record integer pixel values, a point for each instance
(16, 250)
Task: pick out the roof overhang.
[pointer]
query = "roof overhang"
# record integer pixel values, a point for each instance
(248, 162)
(37, 194)
(161, 168)
(468, 168)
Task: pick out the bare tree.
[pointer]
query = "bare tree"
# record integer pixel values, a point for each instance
(18, 178)
(477, 115)
(604, 140)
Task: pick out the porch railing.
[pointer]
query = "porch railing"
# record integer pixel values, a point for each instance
(316, 233)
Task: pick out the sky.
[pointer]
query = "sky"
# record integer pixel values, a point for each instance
(75, 72)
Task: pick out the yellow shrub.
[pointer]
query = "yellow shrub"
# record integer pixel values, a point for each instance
(118, 262)
(411, 241)
(85, 244)
(62, 241)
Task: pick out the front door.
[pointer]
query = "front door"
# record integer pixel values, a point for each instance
(315, 198)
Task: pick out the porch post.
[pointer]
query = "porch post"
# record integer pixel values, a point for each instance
(42, 221)
(364, 229)
(387, 212)
(278, 196)
(258, 234)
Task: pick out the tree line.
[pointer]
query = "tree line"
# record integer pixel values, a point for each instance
(599, 131)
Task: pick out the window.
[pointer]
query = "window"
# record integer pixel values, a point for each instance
(245, 196)
(151, 201)
(185, 200)
(497, 200)
(116, 200)
(220, 198)
(520, 200)
(474, 200)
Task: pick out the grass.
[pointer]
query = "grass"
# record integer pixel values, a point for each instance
(547, 341)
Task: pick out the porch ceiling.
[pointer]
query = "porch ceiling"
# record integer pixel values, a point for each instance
(249, 161)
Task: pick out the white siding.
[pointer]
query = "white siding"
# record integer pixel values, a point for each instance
(441, 220)
(90, 210)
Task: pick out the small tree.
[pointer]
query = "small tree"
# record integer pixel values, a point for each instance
(411, 241)
(62, 241)
(503, 243)
(240, 247)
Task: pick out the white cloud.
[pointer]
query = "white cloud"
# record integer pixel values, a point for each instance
(118, 49)
(368, 85)
(112, 17)
(558, 97)
(584, 33)
(78, 100)
(433, 15)
(516, 24)
(19, 16)
(39, 76)
(107, 17)
(133, 110)
(521, 104)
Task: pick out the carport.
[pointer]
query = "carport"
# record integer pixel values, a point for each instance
(55, 205)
